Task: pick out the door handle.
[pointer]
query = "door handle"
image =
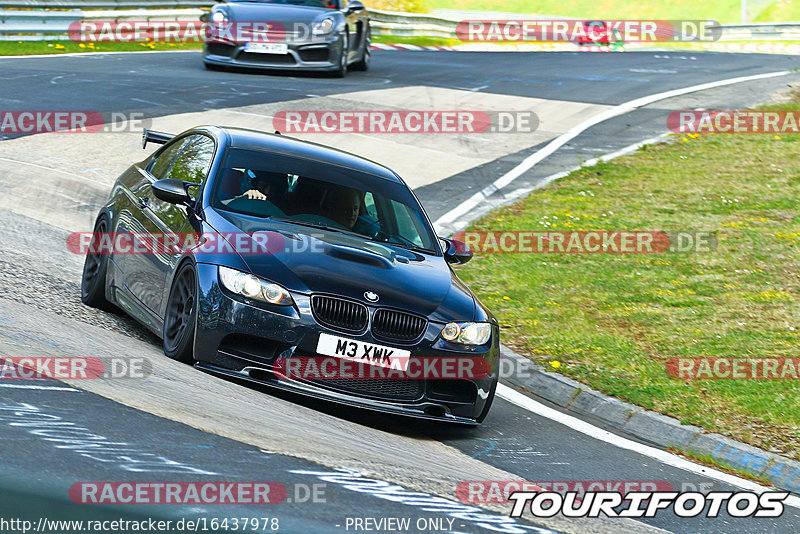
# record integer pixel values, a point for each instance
(143, 202)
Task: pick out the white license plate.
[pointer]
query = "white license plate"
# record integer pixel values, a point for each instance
(266, 48)
(358, 351)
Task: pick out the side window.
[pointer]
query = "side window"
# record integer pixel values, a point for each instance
(163, 161)
(193, 161)
(407, 226)
(369, 205)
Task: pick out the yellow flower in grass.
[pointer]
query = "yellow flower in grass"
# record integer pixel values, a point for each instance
(555, 364)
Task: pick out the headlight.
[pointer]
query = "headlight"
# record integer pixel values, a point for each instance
(253, 287)
(467, 333)
(219, 17)
(322, 27)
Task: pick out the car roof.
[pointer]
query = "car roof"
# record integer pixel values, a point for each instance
(256, 140)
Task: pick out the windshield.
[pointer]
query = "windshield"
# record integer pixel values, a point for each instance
(331, 4)
(324, 196)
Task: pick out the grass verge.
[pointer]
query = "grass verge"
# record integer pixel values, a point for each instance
(613, 321)
(24, 48)
(28, 48)
(419, 41)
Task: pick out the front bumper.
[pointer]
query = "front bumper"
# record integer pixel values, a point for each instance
(241, 339)
(312, 55)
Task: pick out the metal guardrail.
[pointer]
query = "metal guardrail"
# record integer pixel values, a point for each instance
(39, 24)
(54, 25)
(766, 31)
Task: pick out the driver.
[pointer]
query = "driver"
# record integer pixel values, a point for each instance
(343, 205)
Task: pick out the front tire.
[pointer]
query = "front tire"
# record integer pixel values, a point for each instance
(181, 315)
(93, 280)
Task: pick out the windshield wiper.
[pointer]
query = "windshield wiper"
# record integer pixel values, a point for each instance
(413, 248)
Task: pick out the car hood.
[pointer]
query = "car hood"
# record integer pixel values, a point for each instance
(283, 14)
(319, 261)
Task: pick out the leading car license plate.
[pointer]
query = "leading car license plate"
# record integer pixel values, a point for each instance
(266, 48)
(358, 351)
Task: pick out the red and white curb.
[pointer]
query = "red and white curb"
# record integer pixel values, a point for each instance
(483, 47)
(381, 46)
(764, 48)
(748, 48)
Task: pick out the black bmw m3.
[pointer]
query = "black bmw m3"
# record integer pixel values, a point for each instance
(298, 266)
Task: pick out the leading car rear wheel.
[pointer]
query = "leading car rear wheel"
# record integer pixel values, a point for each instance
(93, 281)
(363, 63)
(341, 72)
(181, 314)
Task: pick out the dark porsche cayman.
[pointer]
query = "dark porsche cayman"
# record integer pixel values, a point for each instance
(359, 270)
(314, 35)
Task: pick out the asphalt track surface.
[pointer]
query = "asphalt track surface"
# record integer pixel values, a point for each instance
(179, 424)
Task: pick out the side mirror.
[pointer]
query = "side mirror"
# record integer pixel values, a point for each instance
(355, 5)
(172, 191)
(456, 251)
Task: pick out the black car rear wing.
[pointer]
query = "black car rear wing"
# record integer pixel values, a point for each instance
(149, 136)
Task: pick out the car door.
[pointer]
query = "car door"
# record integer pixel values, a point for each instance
(191, 166)
(135, 267)
(187, 158)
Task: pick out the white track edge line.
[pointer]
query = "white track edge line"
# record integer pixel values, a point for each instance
(662, 456)
(524, 191)
(32, 386)
(564, 138)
